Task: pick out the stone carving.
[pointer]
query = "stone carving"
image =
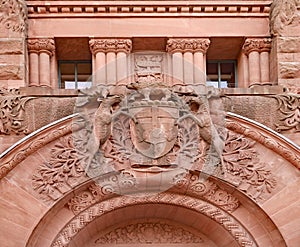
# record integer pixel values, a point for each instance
(243, 167)
(64, 170)
(198, 186)
(259, 45)
(110, 45)
(148, 68)
(283, 13)
(149, 233)
(289, 70)
(289, 106)
(282, 148)
(41, 45)
(13, 15)
(232, 226)
(12, 111)
(187, 45)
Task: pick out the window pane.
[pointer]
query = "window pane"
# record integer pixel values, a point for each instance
(67, 75)
(212, 74)
(84, 71)
(227, 74)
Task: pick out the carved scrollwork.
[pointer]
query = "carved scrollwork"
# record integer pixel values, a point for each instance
(13, 14)
(12, 110)
(149, 233)
(243, 167)
(289, 106)
(41, 45)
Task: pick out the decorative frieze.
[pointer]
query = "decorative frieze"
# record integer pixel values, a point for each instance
(257, 44)
(149, 232)
(187, 45)
(14, 15)
(110, 45)
(40, 45)
(12, 105)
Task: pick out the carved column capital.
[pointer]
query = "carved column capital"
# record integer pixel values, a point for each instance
(110, 45)
(257, 44)
(46, 45)
(188, 45)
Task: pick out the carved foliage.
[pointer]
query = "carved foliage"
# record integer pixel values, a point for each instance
(149, 233)
(41, 45)
(110, 45)
(289, 106)
(259, 45)
(187, 45)
(12, 110)
(243, 167)
(64, 170)
(13, 15)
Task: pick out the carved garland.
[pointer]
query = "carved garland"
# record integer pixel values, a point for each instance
(14, 15)
(12, 109)
(238, 232)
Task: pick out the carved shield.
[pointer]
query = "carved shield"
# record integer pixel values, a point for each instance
(154, 132)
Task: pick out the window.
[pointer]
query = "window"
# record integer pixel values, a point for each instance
(221, 73)
(75, 74)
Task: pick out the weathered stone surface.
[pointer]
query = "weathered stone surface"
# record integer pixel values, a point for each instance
(289, 70)
(11, 46)
(10, 72)
(289, 44)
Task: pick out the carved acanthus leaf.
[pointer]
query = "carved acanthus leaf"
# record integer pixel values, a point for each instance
(110, 45)
(149, 233)
(12, 110)
(289, 106)
(41, 45)
(257, 44)
(188, 45)
(13, 15)
(243, 167)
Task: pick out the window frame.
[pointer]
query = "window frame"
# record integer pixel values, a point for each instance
(219, 69)
(75, 62)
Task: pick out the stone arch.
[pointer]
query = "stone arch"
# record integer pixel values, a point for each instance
(16, 161)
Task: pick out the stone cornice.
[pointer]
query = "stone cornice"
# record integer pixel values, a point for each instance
(257, 44)
(110, 45)
(259, 8)
(41, 45)
(188, 45)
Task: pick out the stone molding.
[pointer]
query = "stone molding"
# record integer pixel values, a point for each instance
(14, 15)
(188, 45)
(257, 44)
(40, 45)
(148, 232)
(110, 45)
(230, 224)
(259, 8)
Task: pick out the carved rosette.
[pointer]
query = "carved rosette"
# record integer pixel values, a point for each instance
(188, 45)
(12, 111)
(46, 45)
(110, 45)
(259, 45)
(14, 15)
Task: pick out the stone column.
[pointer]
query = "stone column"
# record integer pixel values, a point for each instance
(257, 51)
(110, 59)
(188, 59)
(40, 54)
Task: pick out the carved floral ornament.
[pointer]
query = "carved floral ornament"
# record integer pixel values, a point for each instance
(110, 45)
(187, 45)
(40, 45)
(13, 15)
(259, 45)
(12, 111)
